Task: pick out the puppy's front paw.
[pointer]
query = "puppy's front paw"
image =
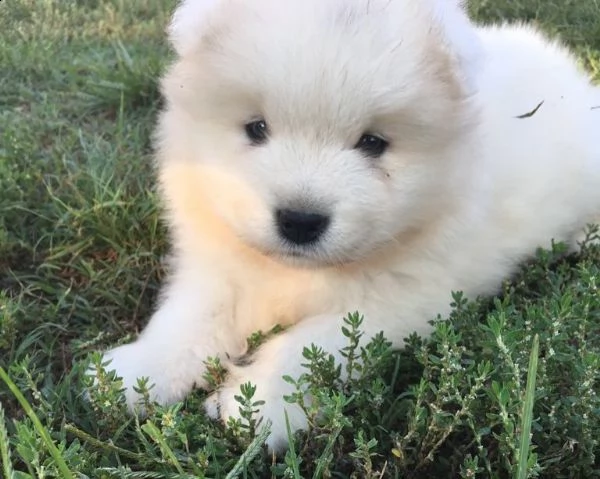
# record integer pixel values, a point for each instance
(167, 381)
(271, 389)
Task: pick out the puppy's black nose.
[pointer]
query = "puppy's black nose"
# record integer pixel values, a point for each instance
(300, 227)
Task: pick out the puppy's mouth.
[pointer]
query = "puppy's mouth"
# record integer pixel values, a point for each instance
(291, 253)
(296, 254)
(309, 257)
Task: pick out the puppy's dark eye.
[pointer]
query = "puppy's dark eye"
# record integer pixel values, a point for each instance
(371, 145)
(257, 131)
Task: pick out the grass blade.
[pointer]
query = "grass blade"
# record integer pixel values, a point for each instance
(5, 447)
(249, 454)
(42, 431)
(292, 449)
(156, 435)
(527, 416)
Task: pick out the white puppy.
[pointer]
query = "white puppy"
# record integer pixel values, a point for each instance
(323, 157)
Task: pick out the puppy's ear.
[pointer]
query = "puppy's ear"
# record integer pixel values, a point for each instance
(188, 23)
(460, 36)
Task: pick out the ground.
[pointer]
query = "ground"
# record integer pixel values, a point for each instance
(80, 249)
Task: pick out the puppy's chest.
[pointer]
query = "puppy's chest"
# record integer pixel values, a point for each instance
(284, 299)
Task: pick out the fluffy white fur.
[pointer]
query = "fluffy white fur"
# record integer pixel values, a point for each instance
(464, 193)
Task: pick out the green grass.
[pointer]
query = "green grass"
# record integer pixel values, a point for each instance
(80, 250)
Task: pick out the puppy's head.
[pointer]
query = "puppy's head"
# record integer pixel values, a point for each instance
(317, 130)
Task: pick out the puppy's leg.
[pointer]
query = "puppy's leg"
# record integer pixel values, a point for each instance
(283, 356)
(193, 322)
